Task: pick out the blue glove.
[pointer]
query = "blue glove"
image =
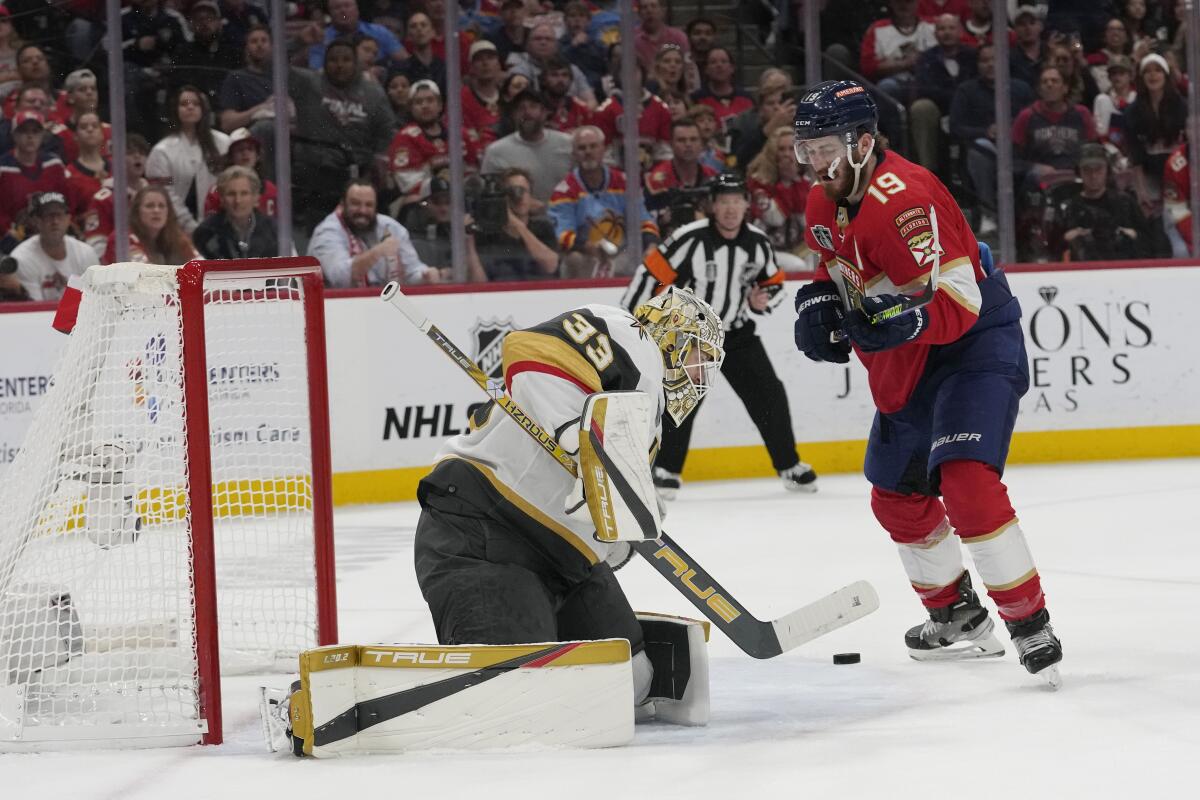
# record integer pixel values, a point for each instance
(820, 317)
(985, 259)
(889, 333)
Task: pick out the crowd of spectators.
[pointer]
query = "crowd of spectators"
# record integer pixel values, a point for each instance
(1097, 101)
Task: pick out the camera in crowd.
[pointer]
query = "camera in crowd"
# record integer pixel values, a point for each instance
(683, 204)
(487, 203)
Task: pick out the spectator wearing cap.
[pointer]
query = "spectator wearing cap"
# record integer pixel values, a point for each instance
(973, 124)
(668, 181)
(565, 111)
(357, 246)
(940, 70)
(1030, 50)
(1099, 221)
(654, 120)
(653, 32)
(512, 34)
(155, 236)
(24, 172)
(240, 17)
(187, 160)
(345, 21)
(9, 43)
(33, 68)
(97, 224)
(1110, 105)
(523, 249)
(588, 210)
(1157, 121)
(481, 99)
(422, 63)
(542, 45)
(420, 149)
(32, 97)
(891, 47)
(245, 150)
(247, 95)
(239, 228)
(577, 45)
(776, 106)
(150, 34)
(47, 259)
(720, 90)
(428, 224)
(90, 168)
(545, 154)
(204, 61)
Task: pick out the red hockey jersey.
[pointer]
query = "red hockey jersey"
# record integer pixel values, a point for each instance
(1177, 191)
(413, 156)
(886, 245)
(18, 182)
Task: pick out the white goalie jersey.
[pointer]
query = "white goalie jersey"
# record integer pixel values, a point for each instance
(549, 370)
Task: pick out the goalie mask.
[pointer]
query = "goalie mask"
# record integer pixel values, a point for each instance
(690, 336)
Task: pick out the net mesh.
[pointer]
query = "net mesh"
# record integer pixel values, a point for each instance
(97, 605)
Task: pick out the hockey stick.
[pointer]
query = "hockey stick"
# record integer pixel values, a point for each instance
(754, 636)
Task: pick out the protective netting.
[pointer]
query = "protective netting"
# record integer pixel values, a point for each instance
(98, 625)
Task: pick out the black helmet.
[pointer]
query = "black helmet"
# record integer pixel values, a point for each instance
(727, 183)
(835, 107)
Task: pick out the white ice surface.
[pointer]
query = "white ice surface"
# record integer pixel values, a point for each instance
(1118, 549)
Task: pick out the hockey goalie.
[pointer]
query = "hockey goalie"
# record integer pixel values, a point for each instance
(537, 642)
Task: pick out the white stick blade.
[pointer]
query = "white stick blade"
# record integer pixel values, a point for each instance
(831, 612)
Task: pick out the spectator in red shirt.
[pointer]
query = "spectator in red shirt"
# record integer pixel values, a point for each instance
(90, 168)
(654, 32)
(932, 9)
(481, 99)
(83, 97)
(778, 196)
(654, 122)
(978, 24)
(419, 149)
(155, 236)
(99, 215)
(565, 112)
(31, 97)
(245, 150)
(668, 182)
(33, 67)
(23, 172)
(720, 91)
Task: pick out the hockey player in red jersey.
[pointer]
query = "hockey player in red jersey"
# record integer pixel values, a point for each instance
(903, 280)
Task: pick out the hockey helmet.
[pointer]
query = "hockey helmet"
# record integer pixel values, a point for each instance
(837, 112)
(727, 183)
(689, 334)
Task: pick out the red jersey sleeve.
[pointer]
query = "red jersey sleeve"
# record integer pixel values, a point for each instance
(819, 217)
(870, 60)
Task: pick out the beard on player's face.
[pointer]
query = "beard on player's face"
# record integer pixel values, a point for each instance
(838, 187)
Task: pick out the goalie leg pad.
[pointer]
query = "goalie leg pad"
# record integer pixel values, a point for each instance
(678, 649)
(397, 698)
(616, 435)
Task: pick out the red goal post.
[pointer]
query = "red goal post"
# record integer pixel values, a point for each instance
(170, 513)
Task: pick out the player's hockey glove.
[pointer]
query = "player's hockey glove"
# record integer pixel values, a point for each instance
(820, 317)
(888, 333)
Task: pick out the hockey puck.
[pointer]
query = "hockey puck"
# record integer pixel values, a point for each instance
(846, 658)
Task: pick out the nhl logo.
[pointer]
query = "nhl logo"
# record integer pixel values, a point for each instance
(488, 336)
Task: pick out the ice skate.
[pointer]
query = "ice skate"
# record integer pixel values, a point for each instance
(800, 478)
(960, 631)
(667, 483)
(1037, 646)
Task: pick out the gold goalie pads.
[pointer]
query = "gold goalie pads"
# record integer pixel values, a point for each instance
(616, 432)
(355, 699)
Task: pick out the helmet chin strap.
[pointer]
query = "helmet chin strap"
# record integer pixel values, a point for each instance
(857, 167)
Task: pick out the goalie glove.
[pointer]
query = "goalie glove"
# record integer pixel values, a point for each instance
(615, 435)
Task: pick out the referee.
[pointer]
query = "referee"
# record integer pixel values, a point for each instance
(730, 264)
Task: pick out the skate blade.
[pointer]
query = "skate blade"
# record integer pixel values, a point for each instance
(1051, 677)
(801, 488)
(987, 647)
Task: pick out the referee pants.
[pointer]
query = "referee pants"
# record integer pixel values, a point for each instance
(753, 379)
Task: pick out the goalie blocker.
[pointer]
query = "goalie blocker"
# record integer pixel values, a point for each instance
(357, 699)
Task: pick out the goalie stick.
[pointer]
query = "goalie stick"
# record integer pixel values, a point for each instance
(757, 638)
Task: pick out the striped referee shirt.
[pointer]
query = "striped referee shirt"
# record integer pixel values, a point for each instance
(718, 270)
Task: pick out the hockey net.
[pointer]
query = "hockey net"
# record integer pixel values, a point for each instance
(176, 474)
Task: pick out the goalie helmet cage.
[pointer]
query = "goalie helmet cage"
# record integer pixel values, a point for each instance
(169, 516)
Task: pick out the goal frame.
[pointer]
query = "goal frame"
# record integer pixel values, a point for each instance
(191, 278)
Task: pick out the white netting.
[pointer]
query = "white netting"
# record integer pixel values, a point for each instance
(97, 608)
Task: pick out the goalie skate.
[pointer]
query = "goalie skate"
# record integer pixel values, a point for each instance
(961, 631)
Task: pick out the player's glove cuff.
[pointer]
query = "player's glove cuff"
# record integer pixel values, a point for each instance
(819, 323)
(888, 333)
